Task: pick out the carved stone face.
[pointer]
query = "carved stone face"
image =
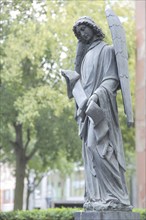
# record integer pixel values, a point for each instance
(85, 32)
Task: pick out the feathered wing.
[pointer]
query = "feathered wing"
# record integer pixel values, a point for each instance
(119, 43)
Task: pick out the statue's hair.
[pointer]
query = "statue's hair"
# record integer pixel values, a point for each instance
(89, 22)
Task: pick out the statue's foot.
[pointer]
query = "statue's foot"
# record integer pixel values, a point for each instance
(88, 206)
(94, 206)
(119, 207)
(125, 207)
(99, 206)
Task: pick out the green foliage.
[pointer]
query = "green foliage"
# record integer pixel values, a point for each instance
(29, 75)
(142, 213)
(50, 214)
(31, 90)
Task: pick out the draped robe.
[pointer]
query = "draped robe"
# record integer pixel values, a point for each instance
(102, 146)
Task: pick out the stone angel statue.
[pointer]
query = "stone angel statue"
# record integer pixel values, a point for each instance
(101, 70)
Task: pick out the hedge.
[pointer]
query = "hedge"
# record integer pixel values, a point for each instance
(50, 214)
(142, 213)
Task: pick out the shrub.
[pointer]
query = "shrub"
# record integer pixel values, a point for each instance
(142, 213)
(50, 214)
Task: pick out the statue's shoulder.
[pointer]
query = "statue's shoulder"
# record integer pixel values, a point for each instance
(99, 45)
(108, 49)
(108, 46)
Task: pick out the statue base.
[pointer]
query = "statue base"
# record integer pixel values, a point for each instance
(106, 215)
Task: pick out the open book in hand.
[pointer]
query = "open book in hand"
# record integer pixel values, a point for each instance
(74, 88)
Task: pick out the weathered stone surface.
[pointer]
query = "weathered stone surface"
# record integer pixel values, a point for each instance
(99, 70)
(107, 215)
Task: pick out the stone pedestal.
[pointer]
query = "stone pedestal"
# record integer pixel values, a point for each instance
(106, 215)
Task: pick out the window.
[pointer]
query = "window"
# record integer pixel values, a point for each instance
(7, 196)
(77, 184)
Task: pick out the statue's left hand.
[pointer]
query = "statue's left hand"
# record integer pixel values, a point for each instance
(94, 98)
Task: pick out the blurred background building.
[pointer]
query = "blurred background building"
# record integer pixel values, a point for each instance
(52, 191)
(7, 186)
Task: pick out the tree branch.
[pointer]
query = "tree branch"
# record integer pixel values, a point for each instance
(39, 180)
(34, 150)
(18, 138)
(28, 139)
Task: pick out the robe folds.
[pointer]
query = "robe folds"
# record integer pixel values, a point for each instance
(102, 146)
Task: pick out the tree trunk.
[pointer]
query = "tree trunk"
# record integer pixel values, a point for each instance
(20, 169)
(63, 178)
(27, 199)
(20, 176)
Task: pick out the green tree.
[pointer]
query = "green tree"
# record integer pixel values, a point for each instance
(31, 101)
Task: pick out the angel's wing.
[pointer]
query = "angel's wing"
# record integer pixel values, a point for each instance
(119, 43)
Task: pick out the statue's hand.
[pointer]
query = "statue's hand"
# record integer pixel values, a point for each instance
(94, 98)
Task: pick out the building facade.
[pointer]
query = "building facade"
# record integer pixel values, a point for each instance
(53, 188)
(7, 186)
